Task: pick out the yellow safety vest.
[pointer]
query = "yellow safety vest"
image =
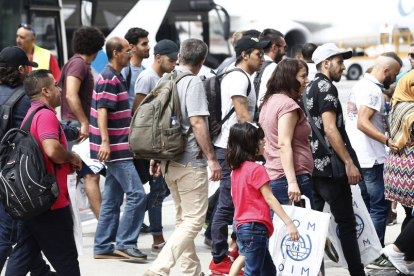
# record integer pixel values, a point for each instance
(41, 57)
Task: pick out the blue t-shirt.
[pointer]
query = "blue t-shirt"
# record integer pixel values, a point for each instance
(400, 75)
(135, 71)
(20, 108)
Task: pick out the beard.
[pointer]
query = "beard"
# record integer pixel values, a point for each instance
(387, 81)
(335, 76)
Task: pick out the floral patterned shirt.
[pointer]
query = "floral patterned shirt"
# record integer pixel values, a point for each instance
(322, 96)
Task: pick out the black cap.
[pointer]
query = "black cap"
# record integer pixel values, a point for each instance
(247, 42)
(14, 56)
(167, 47)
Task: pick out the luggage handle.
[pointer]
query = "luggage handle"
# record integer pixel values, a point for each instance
(307, 202)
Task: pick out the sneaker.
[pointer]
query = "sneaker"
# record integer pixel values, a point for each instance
(397, 259)
(234, 254)
(222, 268)
(156, 249)
(109, 255)
(145, 229)
(131, 253)
(207, 242)
(330, 251)
(392, 219)
(410, 267)
(381, 263)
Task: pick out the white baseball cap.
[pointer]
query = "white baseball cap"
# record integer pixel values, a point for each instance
(328, 50)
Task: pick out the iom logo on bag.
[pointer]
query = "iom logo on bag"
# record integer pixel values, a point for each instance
(296, 250)
(359, 227)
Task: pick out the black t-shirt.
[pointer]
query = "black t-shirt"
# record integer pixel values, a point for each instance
(322, 96)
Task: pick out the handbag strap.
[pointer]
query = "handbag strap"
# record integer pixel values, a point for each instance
(312, 123)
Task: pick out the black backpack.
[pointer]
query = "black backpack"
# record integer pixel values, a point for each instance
(27, 189)
(257, 81)
(6, 110)
(213, 91)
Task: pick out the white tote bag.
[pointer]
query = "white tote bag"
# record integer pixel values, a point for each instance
(368, 241)
(303, 257)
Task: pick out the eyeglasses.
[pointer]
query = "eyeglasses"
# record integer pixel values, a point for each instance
(411, 55)
(27, 27)
(285, 47)
(127, 52)
(260, 54)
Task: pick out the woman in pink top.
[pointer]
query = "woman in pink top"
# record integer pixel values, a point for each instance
(252, 197)
(289, 160)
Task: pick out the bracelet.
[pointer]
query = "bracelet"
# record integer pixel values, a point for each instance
(386, 142)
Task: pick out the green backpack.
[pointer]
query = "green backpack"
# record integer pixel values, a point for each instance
(151, 135)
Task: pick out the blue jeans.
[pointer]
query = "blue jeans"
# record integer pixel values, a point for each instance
(379, 207)
(155, 214)
(121, 178)
(253, 238)
(280, 189)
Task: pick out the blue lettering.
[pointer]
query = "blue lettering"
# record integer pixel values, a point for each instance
(311, 225)
(293, 268)
(366, 242)
(305, 270)
(402, 11)
(281, 267)
(295, 220)
(355, 204)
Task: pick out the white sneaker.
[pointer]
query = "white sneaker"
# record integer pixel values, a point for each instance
(397, 259)
(410, 268)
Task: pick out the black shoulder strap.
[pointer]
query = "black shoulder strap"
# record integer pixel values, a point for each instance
(259, 75)
(232, 110)
(17, 94)
(128, 80)
(26, 126)
(7, 108)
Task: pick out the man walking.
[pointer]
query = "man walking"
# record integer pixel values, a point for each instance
(365, 125)
(110, 121)
(51, 231)
(325, 110)
(187, 177)
(25, 39)
(234, 94)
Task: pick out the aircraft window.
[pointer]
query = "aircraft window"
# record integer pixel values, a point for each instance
(218, 44)
(86, 13)
(189, 29)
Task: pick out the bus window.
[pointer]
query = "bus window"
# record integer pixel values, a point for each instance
(10, 22)
(45, 24)
(189, 29)
(218, 43)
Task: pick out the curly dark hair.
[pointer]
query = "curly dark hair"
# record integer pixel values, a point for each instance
(283, 79)
(87, 41)
(243, 144)
(134, 34)
(10, 76)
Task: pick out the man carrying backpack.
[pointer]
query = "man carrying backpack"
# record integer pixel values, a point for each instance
(187, 176)
(52, 230)
(235, 95)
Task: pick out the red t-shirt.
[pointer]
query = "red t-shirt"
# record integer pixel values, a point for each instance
(249, 203)
(45, 125)
(79, 68)
(53, 66)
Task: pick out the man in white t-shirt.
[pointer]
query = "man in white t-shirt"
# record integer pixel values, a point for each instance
(307, 52)
(365, 127)
(273, 55)
(234, 96)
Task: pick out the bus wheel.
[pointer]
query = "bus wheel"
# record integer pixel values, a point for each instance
(354, 72)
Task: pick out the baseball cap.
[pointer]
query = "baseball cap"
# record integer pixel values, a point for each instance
(168, 48)
(328, 50)
(14, 56)
(247, 42)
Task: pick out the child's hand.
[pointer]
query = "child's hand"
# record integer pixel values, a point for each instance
(293, 231)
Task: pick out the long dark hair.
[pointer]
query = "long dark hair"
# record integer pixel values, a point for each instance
(283, 79)
(243, 144)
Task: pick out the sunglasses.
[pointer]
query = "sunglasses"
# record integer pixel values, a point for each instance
(260, 54)
(411, 55)
(27, 27)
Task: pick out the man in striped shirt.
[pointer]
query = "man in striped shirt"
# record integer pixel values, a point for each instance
(109, 129)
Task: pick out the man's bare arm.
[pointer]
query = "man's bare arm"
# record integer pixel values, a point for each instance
(73, 85)
(241, 108)
(137, 101)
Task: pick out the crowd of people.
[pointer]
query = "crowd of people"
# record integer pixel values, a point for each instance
(282, 111)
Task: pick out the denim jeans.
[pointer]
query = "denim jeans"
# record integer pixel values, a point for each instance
(6, 233)
(121, 178)
(280, 189)
(155, 213)
(364, 194)
(253, 238)
(379, 207)
(339, 198)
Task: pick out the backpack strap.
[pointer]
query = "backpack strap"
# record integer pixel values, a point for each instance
(232, 110)
(17, 94)
(128, 80)
(259, 75)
